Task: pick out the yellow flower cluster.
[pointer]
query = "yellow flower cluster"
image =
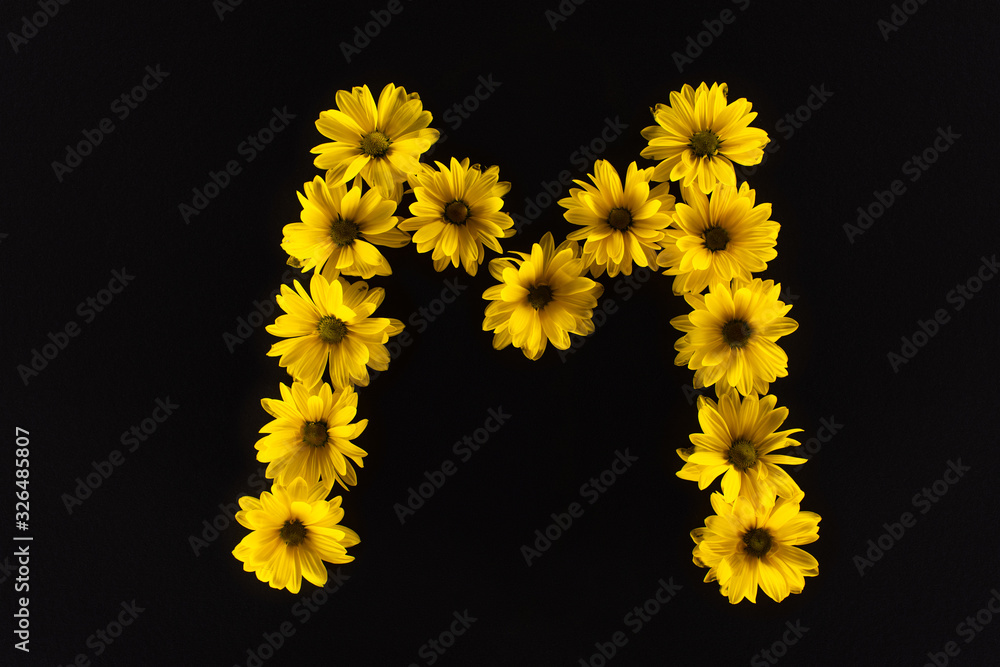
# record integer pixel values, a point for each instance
(715, 239)
(330, 336)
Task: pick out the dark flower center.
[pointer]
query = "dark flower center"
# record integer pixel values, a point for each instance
(293, 532)
(314, 434)
(742, 454)
(375, 144)
(344, 232)
(736, 333)
(539, 296)
(716, 239)
(704, 143)
(757, 541)
(620, 218)
(456, 212)
(331, 329)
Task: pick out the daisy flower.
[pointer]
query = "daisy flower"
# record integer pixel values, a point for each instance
(457, 212)
(294, 531)
(331, 325)
(339, 226)
(311, 435)
(381, 142)
(747, 546)
(620, 225)
(730, 336)
(542, 298)
(718, 238)
(699, 136)
(738, 439)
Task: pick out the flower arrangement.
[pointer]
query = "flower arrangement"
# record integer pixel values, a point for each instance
(714, 240)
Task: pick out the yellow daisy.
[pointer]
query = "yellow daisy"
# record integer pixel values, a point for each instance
(457, 212)
(620, 225)
(738, 440)
(542, 298)
(334, 328)
(381, 142)
(730, 336)
(294, 531)
(718, 238)
(699, 136)
(311, 435)
(747, 546)
(339, 226)
(394, 238)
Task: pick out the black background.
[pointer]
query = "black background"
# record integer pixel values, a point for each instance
(163, 338)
